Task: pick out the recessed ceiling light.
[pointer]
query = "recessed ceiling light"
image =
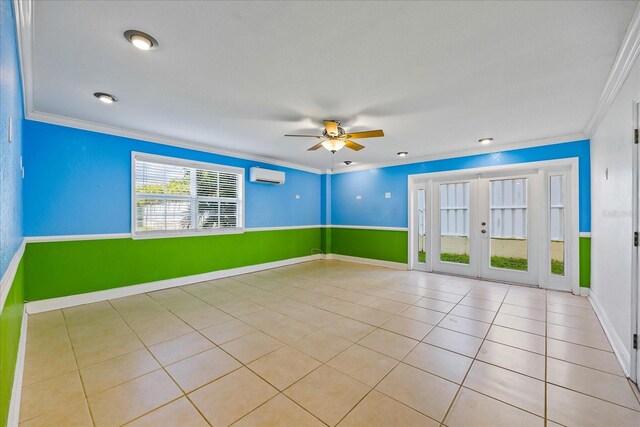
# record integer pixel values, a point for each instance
(347, 162)
(105, 97)
(403, 153)
(142, 41)
(485, 141)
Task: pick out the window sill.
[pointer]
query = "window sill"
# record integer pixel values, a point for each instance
(190, 233)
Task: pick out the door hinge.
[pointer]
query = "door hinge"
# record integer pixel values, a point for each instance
(635, 238)
(635, 136)
(635, 341)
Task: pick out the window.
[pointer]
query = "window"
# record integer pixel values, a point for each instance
(454, 209)
(180, 197)
(509, 208)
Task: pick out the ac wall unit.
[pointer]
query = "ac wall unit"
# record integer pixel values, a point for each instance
(257, 174)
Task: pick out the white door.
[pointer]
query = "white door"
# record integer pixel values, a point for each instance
(507, 223)
(483, 227)
(512, 224)
(455, 231)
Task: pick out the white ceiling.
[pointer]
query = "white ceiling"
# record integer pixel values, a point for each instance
(435, 76)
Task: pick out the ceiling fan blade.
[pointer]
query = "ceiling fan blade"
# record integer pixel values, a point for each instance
(306, 136)
(315, 147)
(331, 127)
(366, 134)
(353, 145)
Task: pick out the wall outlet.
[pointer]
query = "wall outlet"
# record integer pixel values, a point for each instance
(387, 195)
(297, 197)
(358, 197)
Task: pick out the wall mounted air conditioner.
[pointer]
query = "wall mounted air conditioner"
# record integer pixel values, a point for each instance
(257, 174)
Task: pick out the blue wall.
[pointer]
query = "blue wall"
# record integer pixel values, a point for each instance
(79, 182)
(374, 210)
(10, 172)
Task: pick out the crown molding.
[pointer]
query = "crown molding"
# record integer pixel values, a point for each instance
(24, 31)
(159, 139)
(463, 153)
(23, 10)
(618, 74)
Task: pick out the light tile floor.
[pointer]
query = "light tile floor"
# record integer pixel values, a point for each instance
(327, 343)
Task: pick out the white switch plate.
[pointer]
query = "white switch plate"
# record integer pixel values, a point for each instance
(387, 195)
(358, 197)
(297, 197)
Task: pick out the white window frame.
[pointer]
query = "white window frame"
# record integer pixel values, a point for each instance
(146, 157)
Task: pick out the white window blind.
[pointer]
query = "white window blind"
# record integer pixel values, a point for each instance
(454, 209)
(172, 196)
(557, 207)
(509, 208)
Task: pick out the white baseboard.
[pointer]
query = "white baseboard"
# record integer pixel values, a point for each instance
(370, 261)
(124, 291)
(584, 292)
(16, 391)
(619, 348)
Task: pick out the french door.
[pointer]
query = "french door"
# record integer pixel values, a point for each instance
(507, 226)
(484, 227)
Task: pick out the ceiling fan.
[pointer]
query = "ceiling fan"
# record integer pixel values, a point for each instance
(335, 138)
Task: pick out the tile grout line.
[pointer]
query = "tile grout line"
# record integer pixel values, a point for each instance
(377, 298)
(460, 386)
(75, 358)
(161, 368)
(546, 364)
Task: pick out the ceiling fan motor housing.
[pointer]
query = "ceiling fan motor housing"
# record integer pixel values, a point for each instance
(328, 135)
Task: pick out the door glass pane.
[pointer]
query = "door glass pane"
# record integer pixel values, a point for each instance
(556, 223)
(508, 224)
(422, 233)
(454, 222)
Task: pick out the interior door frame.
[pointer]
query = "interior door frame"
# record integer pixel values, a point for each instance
(572, 233)
(634, 365)
(414, 217)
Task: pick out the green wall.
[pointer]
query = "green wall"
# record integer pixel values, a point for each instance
(390, 245)
(384, 245)
(10, 325)
(585, 262)
(57, 269)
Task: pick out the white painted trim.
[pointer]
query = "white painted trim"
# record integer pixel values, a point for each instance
(24, 24)
(369, 261)
(16, 391)
(159, 139)
(622, 65)
(369, 227)
(585, 234)
(10, 274)
(124, 291)
(584, 292)
(617, 343)
(464, 153)
(72, 237)
(293, 227)
(24, 31)
(23, 10)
